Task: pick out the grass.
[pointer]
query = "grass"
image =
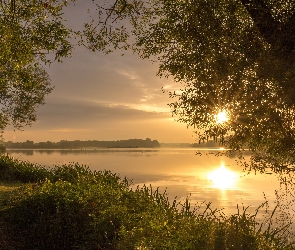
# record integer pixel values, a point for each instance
(6, 190)
(71, 207)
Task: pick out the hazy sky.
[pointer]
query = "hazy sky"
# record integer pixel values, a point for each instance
(104, 97)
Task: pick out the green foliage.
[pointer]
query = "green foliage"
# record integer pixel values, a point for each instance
(2, 148)
(23, 171)
(31, 34)
(236, 56)
(75, 208)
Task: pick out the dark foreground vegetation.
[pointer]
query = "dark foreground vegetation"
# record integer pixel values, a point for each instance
(71, 207)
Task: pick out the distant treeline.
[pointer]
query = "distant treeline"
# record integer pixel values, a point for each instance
(208, 144)
(131, 143)
(63, 144)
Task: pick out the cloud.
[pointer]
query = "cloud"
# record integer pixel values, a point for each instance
(99, 96)
(107, 78)
(75, 112)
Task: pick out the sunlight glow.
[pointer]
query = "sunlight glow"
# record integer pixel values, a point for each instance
(222, 178)
(221, 117)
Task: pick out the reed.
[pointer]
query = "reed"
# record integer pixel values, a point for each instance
(71, 207)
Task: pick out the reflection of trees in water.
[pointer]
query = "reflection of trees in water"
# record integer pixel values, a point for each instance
(25, 152)
(47, 152)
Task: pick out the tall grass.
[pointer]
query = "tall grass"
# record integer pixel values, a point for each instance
(71, 207)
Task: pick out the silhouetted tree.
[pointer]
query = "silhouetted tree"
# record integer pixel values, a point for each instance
(232, 56)
(32, 34)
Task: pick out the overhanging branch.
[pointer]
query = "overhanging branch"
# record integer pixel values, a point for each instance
(262, 18)
(281, 36)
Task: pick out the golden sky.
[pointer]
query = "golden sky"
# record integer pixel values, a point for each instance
(105, 97)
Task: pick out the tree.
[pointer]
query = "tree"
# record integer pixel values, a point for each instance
(32, 34)
(231, 56)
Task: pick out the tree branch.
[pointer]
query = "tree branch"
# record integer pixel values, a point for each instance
(263, 19)
(288, 35)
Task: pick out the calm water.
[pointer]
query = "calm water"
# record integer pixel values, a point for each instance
(205, 177)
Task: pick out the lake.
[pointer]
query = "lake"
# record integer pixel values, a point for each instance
(204, 177)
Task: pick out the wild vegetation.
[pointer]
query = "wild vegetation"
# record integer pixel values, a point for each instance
(233, 56)
(71, 207)
(230, 57)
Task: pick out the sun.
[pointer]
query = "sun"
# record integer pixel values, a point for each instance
(222, 178)
(221, 117)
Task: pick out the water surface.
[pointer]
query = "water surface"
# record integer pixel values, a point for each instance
(204, 177)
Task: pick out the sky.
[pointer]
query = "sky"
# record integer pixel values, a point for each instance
(104, 97)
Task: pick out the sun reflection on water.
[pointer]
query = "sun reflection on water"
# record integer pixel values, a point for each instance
(222, 178)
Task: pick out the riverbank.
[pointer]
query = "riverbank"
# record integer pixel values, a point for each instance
(78, 208)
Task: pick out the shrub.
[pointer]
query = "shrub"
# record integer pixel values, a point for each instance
(75, 208)
(23, 171)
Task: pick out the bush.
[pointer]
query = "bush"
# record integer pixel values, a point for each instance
(22, 171)
(75, 208)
